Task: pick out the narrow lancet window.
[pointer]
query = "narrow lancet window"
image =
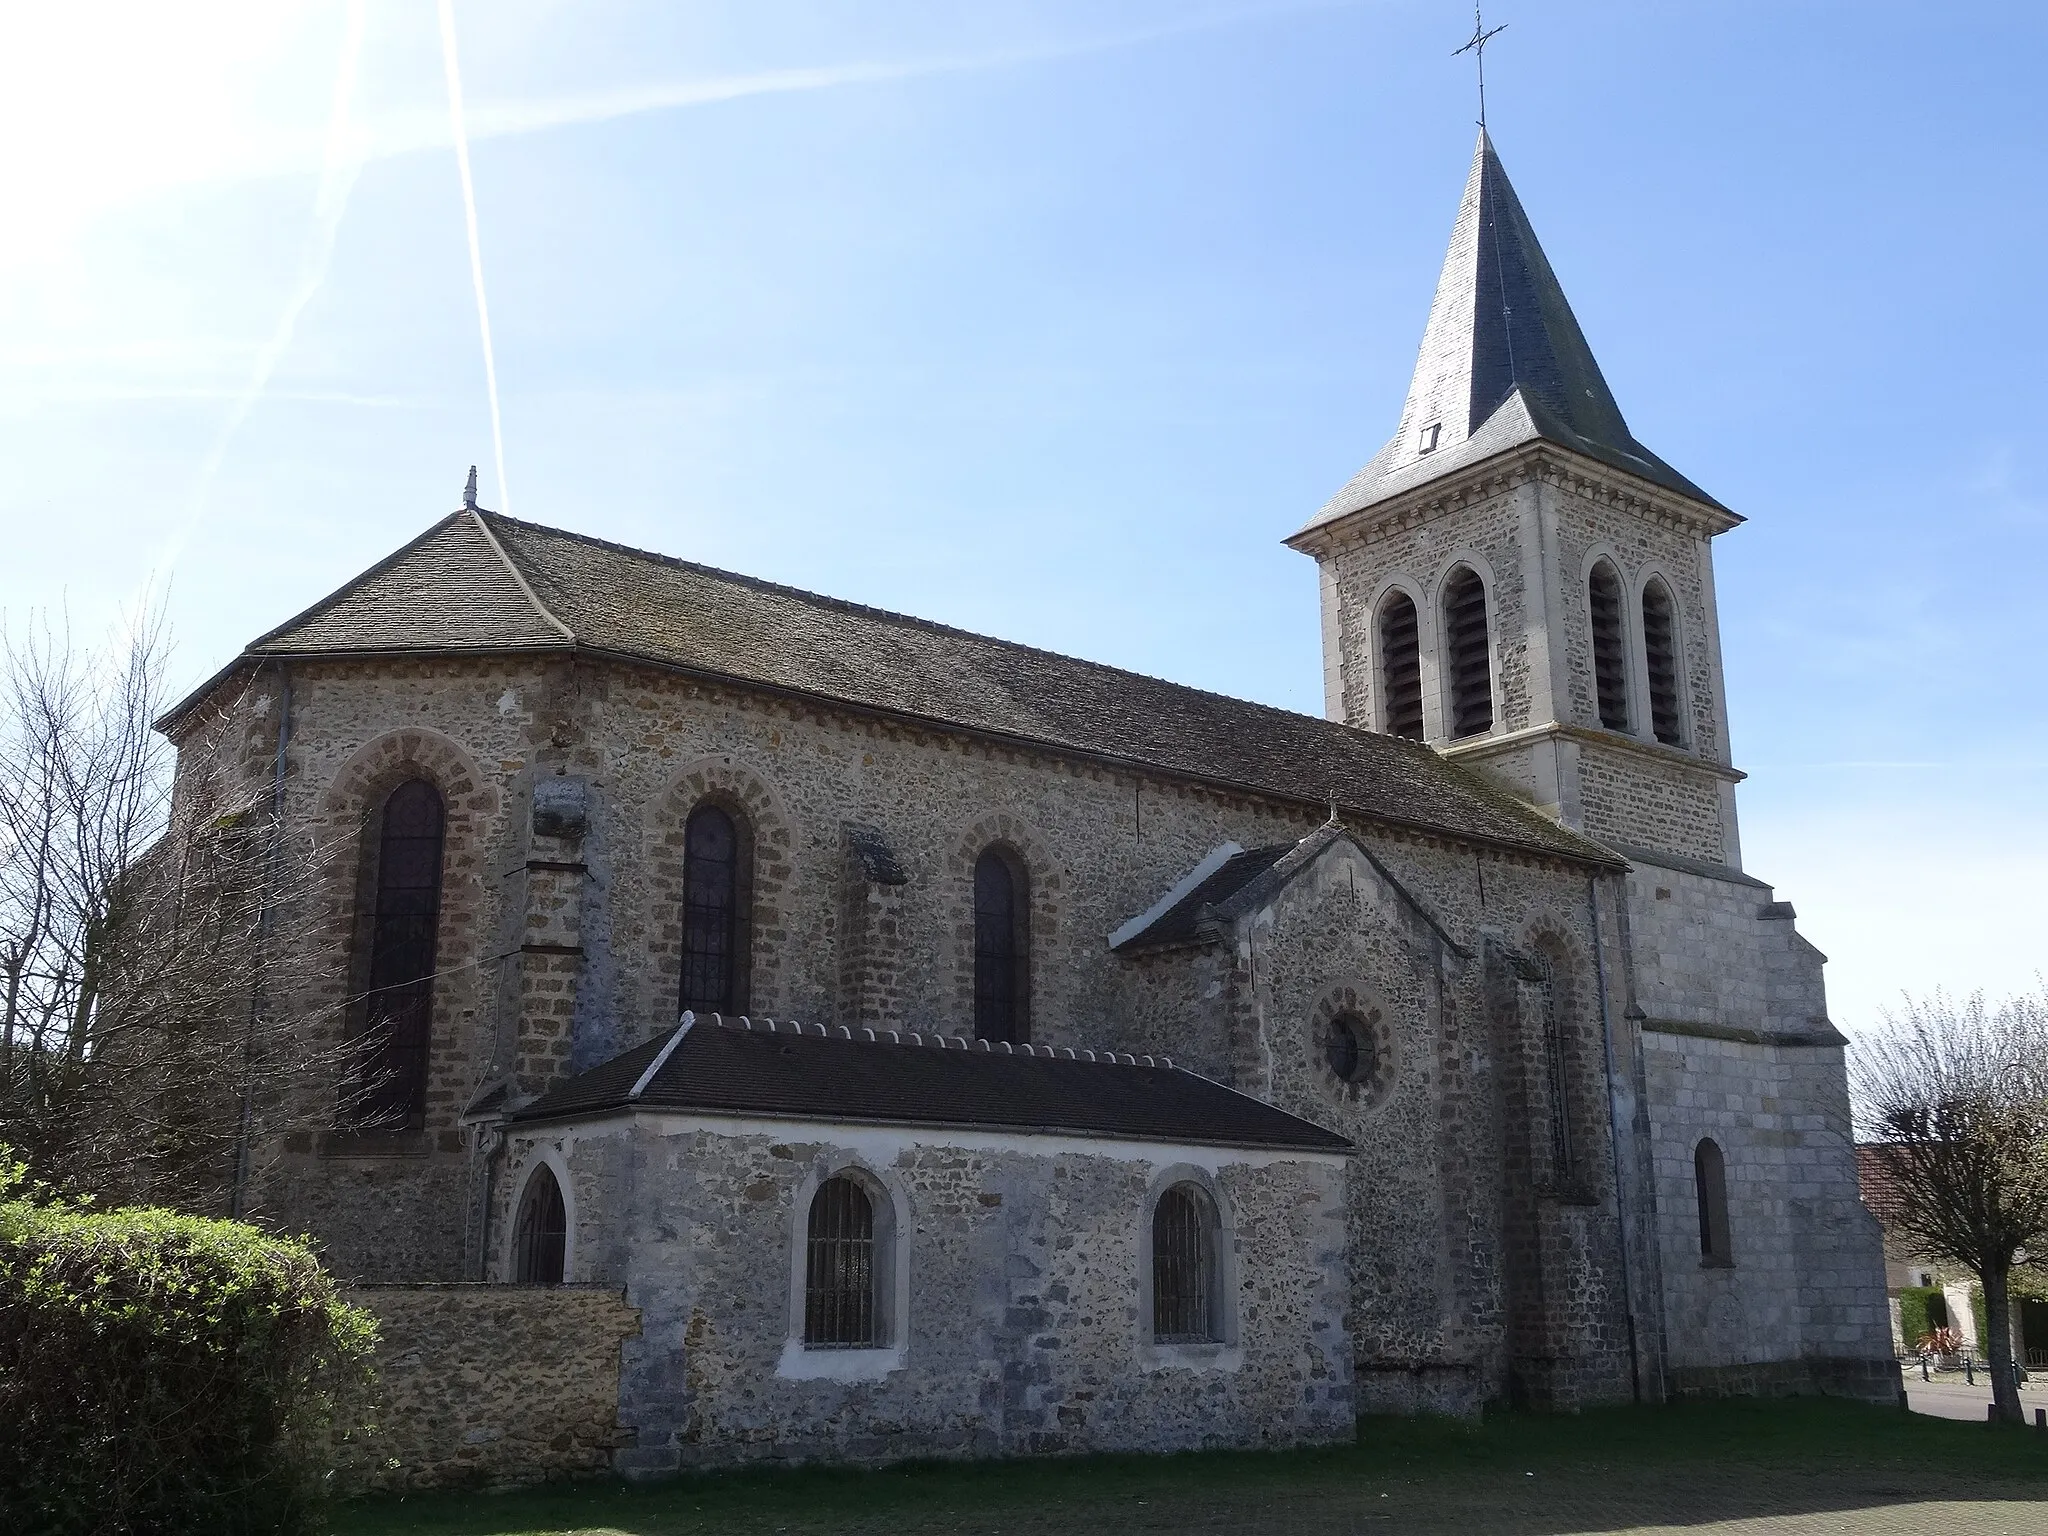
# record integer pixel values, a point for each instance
(1710, 1184)
(398, 1013)
(1556, 1069)
(1184, 1267)
(1660, 651)
(840, 1310)
(1400, 668)
(1469, 653)
(540, 1239)
(1002, 947)
(1610, 672)
(713, 942)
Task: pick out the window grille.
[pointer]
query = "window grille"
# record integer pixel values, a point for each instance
(404, 925)
(541, 1237)
(1610, 674)
(711, 868)
(1471, 667)
(1183, 1267)
(1660, 651)
(1710, 1185)
(1400, 668)
(1002, 947)
(839, 1269)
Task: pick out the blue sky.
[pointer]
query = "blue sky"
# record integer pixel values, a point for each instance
(1051, 319)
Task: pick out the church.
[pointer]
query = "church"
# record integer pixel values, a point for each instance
(953, 1048)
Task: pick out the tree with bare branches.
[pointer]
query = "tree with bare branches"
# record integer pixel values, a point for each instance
(1954, 1095)
(137, 1047)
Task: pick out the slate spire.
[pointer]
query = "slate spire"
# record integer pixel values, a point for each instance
(1503, 361)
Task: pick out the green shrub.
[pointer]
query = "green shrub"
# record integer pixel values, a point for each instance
(163, 1373)
(2021, 1286)
(1914, 1324)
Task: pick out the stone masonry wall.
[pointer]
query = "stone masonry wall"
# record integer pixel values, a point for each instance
(492, 1384)
(1626, 797)
(1020, 1325)
(1723, 951)
(1484, 530)
(1803, 1305)
(1452, 1202)
(1590, 522)
(561, 952)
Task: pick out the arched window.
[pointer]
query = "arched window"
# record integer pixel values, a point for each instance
(717, 863)
(1610, 671)
(1184, 1299)
(405, 919)
(1400, 668)
(1469, 654)
(1002, 947)
(842, 1303)
(540, 1238)
(1556, 1070)
(1660, 652)
(1710, 1184)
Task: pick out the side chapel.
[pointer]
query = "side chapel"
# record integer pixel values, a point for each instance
(956, 1048)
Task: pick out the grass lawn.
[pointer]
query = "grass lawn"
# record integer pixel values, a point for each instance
(1806, 1466)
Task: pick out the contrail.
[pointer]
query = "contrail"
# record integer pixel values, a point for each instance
(341, 161)
(476, 258)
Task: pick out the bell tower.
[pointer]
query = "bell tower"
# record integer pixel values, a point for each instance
(1517, 581)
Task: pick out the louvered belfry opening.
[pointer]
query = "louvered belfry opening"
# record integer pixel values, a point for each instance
(1184, 1267)
(839, 1269)
(1660, 651)
(1002, 947)
(712, 854)
(398, 1013)
(1471, 669)
(1610, 671)
(1400, 667)
(541, 1237)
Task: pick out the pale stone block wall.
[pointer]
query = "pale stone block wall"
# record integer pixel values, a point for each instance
(1803, 1304)
(491, 1384)
(1022, 1326)
(1719, 950)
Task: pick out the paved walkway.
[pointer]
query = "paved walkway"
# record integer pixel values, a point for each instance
(1951, 1397)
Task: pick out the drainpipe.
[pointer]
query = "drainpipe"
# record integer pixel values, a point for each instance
(1614, 1129)
(266, 920)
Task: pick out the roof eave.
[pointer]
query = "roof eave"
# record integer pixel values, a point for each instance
(1327, 528)
(1592, 855)
(645, 1105)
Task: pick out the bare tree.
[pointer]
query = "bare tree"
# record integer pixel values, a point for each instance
(136, 1045)
(1955, 1096)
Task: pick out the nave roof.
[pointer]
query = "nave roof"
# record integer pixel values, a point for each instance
(481, 583)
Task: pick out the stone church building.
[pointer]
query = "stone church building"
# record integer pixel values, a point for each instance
(950, 1047)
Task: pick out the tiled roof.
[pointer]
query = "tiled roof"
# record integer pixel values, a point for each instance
(1193, 918)
(781, 1070)
(1880, 1189)
(1503, 362)
(482, 582)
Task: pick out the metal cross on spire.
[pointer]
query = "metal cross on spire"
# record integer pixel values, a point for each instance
(1476, 46)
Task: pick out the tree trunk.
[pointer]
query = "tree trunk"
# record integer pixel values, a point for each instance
(2005, 1387)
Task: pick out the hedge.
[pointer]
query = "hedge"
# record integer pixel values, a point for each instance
(1913, 1321)
(165, 1373)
